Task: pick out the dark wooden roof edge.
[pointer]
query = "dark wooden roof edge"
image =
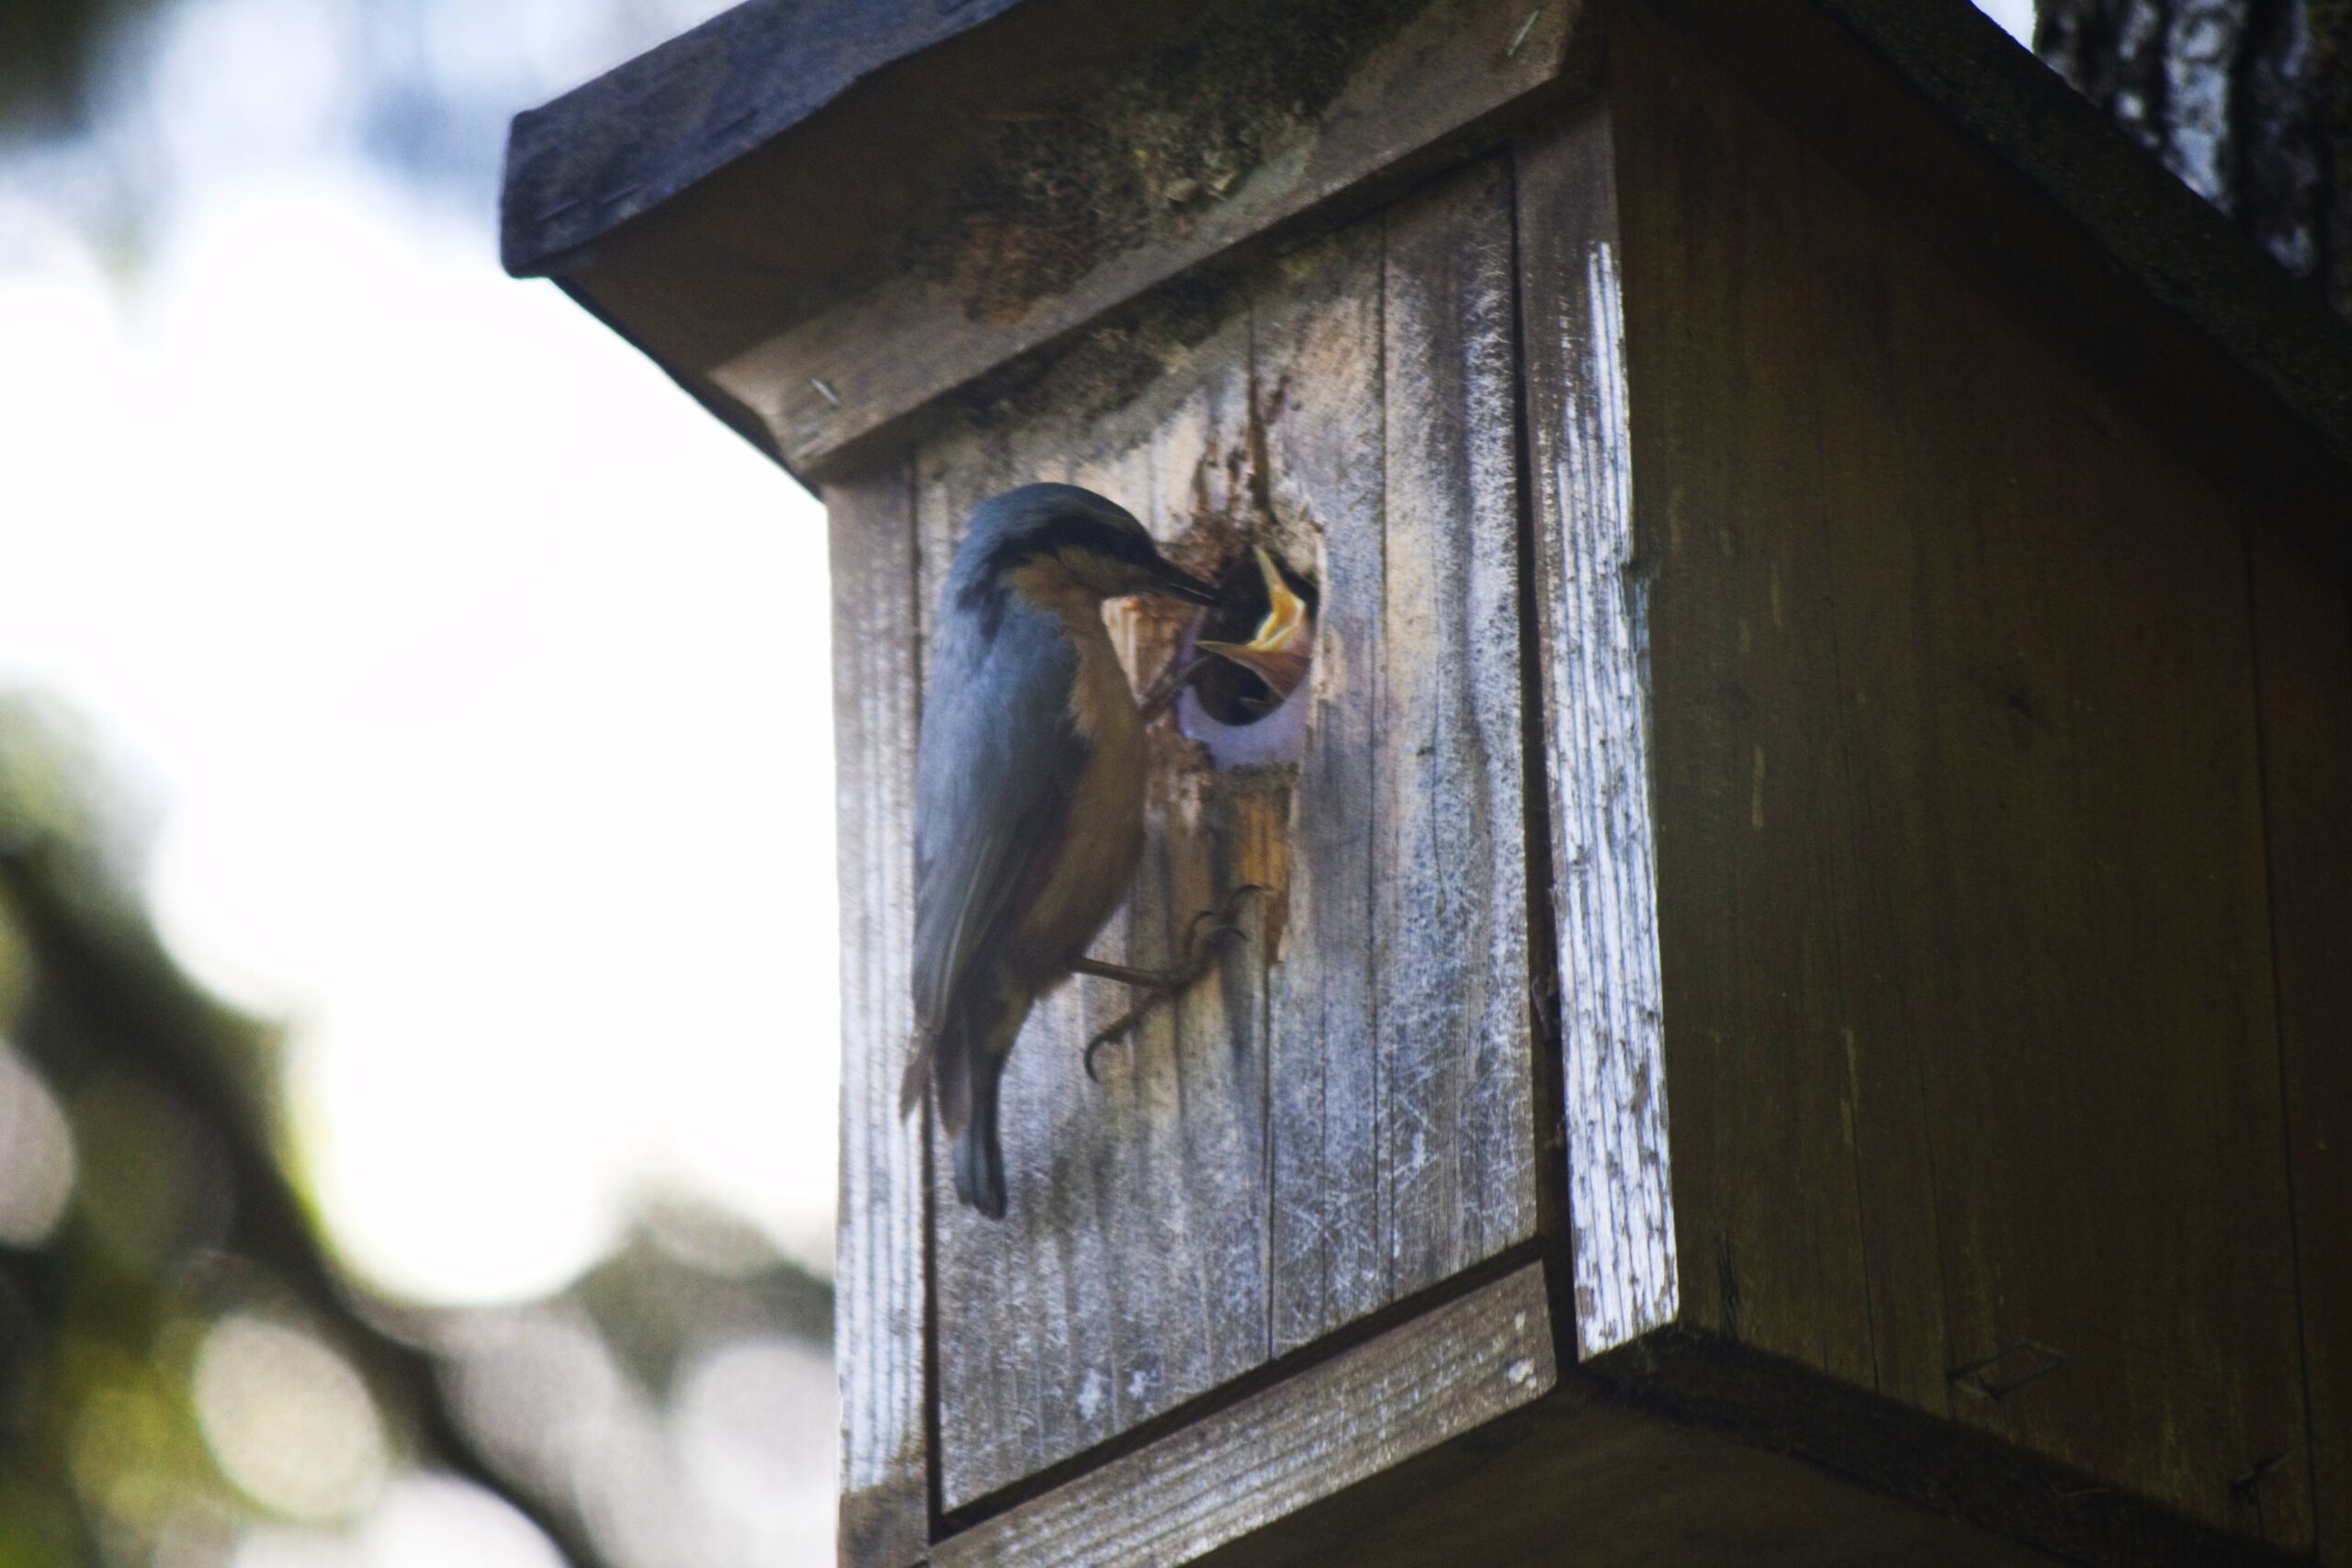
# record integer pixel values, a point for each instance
(582, 163)
(2162, 235)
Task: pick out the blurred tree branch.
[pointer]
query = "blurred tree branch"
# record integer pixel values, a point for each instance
(51, 53)
(102, 974)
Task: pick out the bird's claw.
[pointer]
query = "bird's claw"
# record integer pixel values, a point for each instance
(1200, 949)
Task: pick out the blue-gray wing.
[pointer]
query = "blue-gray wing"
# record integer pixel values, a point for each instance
(998, 759)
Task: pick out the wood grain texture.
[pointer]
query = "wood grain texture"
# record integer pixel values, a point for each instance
(1450, 856)
(1593, 613)
(2303, 627)
(1345, 1116)
(1970, 1019)
(1320, 321)
(581, 165)
(1403, 1119)
(878, 1269)
(901, 340)
(1130, 1274)
(1360, 1414)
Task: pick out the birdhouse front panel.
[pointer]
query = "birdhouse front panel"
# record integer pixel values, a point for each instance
(1344, 1111)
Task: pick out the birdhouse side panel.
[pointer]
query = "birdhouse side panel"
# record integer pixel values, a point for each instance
(879, 1264)
(1343, 1113)
(1971, 1025)
(1592, 602)
(2302, 627)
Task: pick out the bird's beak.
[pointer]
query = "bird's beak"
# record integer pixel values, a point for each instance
(1169, 577)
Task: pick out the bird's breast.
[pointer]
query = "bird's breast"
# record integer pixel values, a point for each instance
(1103, 833)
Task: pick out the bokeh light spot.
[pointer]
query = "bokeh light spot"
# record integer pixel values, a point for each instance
(36, 1155)
(288, 1420)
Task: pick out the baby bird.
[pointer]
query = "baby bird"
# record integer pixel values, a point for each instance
(1028, 792)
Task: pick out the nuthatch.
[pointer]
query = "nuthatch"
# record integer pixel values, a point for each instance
(1028, 793)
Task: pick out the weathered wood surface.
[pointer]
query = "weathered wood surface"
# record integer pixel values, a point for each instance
(878, 1269)
(1346, 1116)
(1320, 321)
(1450, 858)
(1592, 602)
(1347, 1419)
(1127, 1276)
(1968, 1001)
(2302, 627)
(617, 146)
(906, 339)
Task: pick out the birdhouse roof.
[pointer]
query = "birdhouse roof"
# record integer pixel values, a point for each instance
(778, 206)
(643, 132)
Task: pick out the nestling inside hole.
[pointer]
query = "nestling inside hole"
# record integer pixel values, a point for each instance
(1261, 633)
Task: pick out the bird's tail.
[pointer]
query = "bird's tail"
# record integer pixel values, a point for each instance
(962, 1062)
(979, 1158)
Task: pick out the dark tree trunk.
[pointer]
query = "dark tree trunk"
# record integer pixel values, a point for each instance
(2248, 101)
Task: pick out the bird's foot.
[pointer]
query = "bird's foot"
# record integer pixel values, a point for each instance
(1158, 987)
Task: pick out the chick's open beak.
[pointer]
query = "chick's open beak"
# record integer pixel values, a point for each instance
(1278, 654)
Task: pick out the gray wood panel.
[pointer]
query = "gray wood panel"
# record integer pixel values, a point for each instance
(878, 1277)
(1450, 859)
(1968, 1007)
(1592, 600)
(1346, 1115)
(1348, 1419)
(1320, 321)
(1129, 1274)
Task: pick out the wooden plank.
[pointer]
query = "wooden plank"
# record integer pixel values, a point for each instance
(881, 1291)
(581, 164)
(1415, 75)
(2002, 883)
(1754, 866)
(2302, 627)
(1450, 951)
(1317, 344)
(1349, 1419)
(1592, 604)
(1129, 1275)
(1191, 1083)
(1171, 1229)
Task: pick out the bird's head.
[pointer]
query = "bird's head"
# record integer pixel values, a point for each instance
(1047, 540)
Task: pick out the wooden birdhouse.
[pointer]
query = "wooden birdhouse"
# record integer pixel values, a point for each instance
(1799, 1008)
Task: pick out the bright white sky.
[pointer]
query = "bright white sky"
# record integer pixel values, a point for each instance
(477, 682)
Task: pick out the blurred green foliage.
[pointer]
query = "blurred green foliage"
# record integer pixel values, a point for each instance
(146, 1202)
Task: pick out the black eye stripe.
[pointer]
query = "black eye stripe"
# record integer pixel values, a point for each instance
(1068, 531)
